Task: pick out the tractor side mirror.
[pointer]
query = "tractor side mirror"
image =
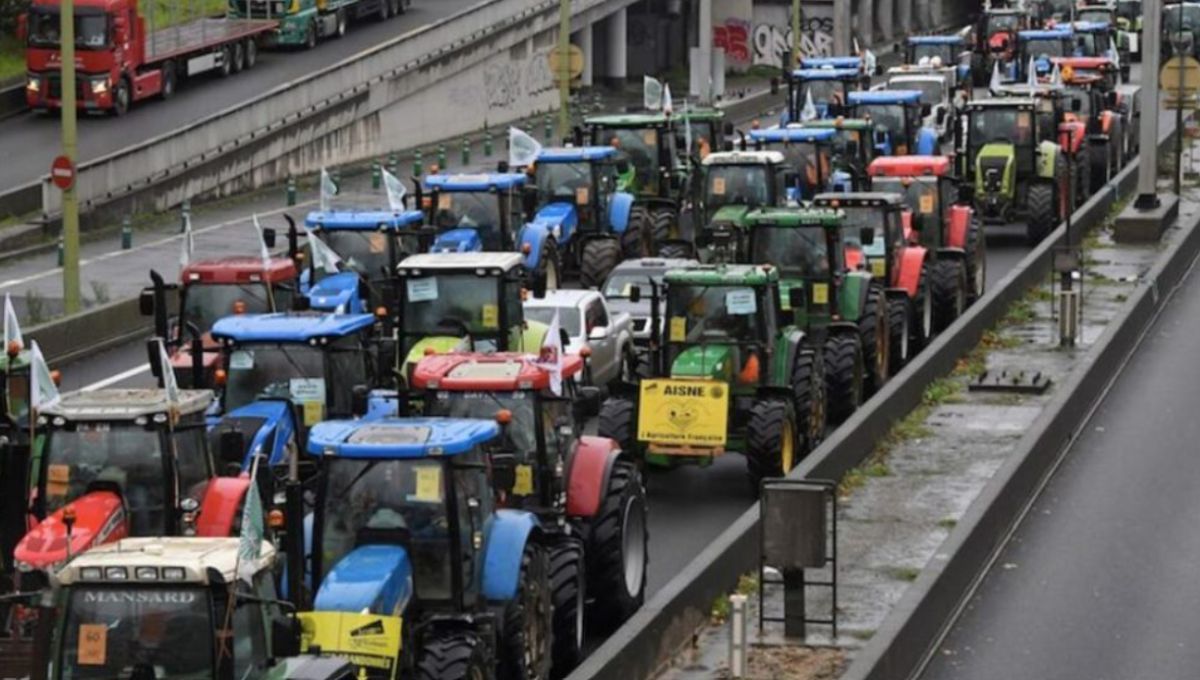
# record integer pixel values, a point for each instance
(926, 109)
(587, 401)
(285, 637)
(866, 236)
(358, 400)
(146, 302)
(727, 129)
(1076, 106)
(529, 200)
(231, 446)
(635, 294)
(154, 358)
(269, 236)
(539, 287)
(796, 299)
(504, 471)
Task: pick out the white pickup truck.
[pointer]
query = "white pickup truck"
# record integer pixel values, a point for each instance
(587, 320)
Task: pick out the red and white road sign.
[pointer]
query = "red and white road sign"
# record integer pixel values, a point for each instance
(62, 172)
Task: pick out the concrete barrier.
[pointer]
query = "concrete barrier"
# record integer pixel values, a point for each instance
(668, 622)
(12, 100)
(90, 332)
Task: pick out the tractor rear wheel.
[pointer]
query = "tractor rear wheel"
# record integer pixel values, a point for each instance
(616, 549)
(976, 262)
(596, 262)
(921, 326)
(900, 311)
(1099, 164)
(843, 376)
(771, 441)
(661, 222)
(459, 656)
(636, 234)
(525, 650)
(549, 267)
(568, 591)
(948, 284)
(1043, 217)
(873, 333)
(808, 388)
(618, 422)
(675, 250)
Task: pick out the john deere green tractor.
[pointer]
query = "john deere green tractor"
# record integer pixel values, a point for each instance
(733, 373)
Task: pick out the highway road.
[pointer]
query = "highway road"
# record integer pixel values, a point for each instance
(35, 138)
(1099, 581)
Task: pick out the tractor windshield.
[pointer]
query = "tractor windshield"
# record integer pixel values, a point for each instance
(933, 92)
(1003, 22)
(518, 438)
(823, 91)
(401, 502)
(478, 210)
(1083, 97)
(16, 386)
(925, 197)
(720, 314)
(1092, 44)
(563, 182)
(738, 184)
(315, 378)
(889, 117)
(641, 144)
(1097, 15)
(449, 303)
(1172, 19)
(204, 303)
(811, 162)
(142, 632)
(1001, 125)
(364, 251)
(1046, 47)
(798, 251)
(946, 52)
(857, 217)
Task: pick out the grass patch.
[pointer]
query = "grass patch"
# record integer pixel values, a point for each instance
(747, 585)
(1019, 313)
(947, 523)
(909, 574)
(12, 59)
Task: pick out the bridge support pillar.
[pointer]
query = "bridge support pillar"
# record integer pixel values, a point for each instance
(904, 10)
(865, 26)
(887, 24)
(842, 19)
(618, 39)
(584, 39)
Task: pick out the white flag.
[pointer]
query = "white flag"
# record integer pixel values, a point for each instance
(1056, 76)
(1032, 80)
(652, 93)
(687, 129)
(667, 104)
(523, 150)
(323, 257)
(809, 112)
(550, 357)
(12, 327)
(168, 374)
(251, 539)
(262, 244)
(189, 242)
(42, 390)
(870, 62)
(395, 191)
(996, 81)
(328, 191)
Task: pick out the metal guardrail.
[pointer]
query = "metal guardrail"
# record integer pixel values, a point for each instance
(12, 100)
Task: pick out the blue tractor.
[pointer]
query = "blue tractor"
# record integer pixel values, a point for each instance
(845, 62)
(811, 155)
(1042, 47)
(949, 50)
(409, 544)
(897, 116)
(828, 87)
(582, 220)
(370, 243)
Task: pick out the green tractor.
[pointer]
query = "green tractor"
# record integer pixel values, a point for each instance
(733, 373)
(734, 184)
(848, 307)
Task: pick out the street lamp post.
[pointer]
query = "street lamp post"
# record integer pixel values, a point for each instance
(796, 22)
(564, 69)
(70, 201)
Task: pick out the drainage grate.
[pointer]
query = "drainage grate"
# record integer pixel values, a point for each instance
(1020, 382)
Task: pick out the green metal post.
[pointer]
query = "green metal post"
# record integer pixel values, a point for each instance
(291, 191)
(564, 70)
(796, 21)
(61, 253)
(487, 143)
(185, 213)
(418, 169)
(69, 253)
(393, 163)
(441, 157)
(376, 176)
(466, 151)
(126, 234)
(549, 128)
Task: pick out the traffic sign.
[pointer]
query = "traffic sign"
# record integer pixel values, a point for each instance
(62, 173)
(1169, 76)
(574, 63)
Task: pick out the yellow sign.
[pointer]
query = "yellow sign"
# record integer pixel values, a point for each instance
(429, 484)
(366, 640)
(683, 412)
(58, 479)
(820, 293)
(678, 329)
(1186, 68)
(574, 61)
(582, 196)
(878, 268)
(444, 201)
(927, 204)
(314, 412)
(718, 186)
(93, 644)
(524, 484)
(377, 243)
(491, 316)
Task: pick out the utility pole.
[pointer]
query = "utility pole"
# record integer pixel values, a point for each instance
(1180, 54)
(564, 69)
(796, 21)
(1147, 192)
(70, 203)
(706, 50)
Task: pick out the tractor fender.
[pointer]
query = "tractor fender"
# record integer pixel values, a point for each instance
(276, 428)
(959, 223)
(895, 294)
(620, 207)
(908, 274)
(336, 291)
(856, 286)
(376, 579)
(950, 253)
(508, 532)
(558, 219)
(530, 241)
(221, 505)
(927, 142)
(382, 404)
(464, 240)
(100, 517)
(845, 328)
(792, 347)
(1049, 158)
(588, 469)
(906, 226)
(782, 392)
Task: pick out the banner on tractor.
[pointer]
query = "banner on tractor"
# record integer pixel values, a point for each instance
(683, 412)
(366, 640)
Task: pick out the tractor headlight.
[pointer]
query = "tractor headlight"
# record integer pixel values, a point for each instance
(100, 86)
(33, 84)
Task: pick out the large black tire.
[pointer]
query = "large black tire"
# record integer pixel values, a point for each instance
(549, 267)
(873, 334)
(772, 449)
(385, 10)
(661, 222)
(808, 388)
(525, 648)
(1099, 162)
(310, 36)
(340, 31)
(976, 261)
(459, 656)
(676, 250)
(900, 312)
(618, 421)
(1043, 211)
(948, 287)
(169, 81)
(239, 57)
(568, 588)
(635, 236)
(843, 376)
(251, 54)
(121, 97)
(617, 550)
(921, 323)
(599, 257)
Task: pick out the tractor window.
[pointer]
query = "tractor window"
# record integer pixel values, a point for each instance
(1045, 47)
(1003, 22)
(249, 637)
(191, 461)
(1130, 9)
(1085, 101)
(518, 438)
(470, 484)
(858, 217)
(364, 251)
(642, 147)
(923, 198)
(1094, 15)
(933, 92)
(943, 51)
(562, 182)
(797, 251)
(112, 632)
(1001, 125)
(275, 371)
(101, 455)
(890, 117)
(18, 393)
(205, 303)
(812, 164)
(398, 502)
(1172, 21)
(721, 314)
(737, 185)
(347, 369)
(478, 210)
(823, 91)
(443, 303)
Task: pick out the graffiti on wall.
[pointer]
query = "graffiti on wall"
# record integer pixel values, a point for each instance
(507, 83)
(773, 42)
(734, 37)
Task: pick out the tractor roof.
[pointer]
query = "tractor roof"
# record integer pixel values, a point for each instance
(793, 135)
(504, 372)
(161, 561)
(571, 154)
(936, 40)
(743, 158)
(886, 97)
(700, 114)
(795, 217)
(460, 261)
(1015, 102)
(395, 438)
(930, 76)
(858, 199)
(1091, 26)
(627, 120)
(839, 124)
(1004, 11)
(125, 404)
(1024, 90)
(723, 275)
(239, 269)
(364, 220)
(826, 74)
(475, 183)
(1085, 63)
(1045, 34)
(909, 166)
(832, 62)
(289, 327)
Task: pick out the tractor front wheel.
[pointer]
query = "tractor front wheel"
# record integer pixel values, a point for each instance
(843, 376)
(922, 309)
(616, 550)
(976, 262)
(1043, 217)
(618, 422)
(900, 310)
(458, 656)
(568, 589)
(873, 332)
(1099, 163)
(771, 441)
(948, 283)
(808, 388)
(525, 651)
(637, 233)
(599, 257)
(662, 223)
(548, 268)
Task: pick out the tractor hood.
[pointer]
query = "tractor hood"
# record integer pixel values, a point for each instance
(464, 240)
(334, 291)
(704, 361)
(437, 344)
(557, 219)
(375, 579)
(730, 214)
(99, 519)
(994, 168)
(257, 421)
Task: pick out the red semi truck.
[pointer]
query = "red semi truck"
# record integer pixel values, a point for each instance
(117, 62)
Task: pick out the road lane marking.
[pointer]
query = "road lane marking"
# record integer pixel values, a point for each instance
(113, 379)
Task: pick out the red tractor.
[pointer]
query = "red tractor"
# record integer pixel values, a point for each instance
(943, 222)
(543, 463)
(1093, 101)
(996, 41)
